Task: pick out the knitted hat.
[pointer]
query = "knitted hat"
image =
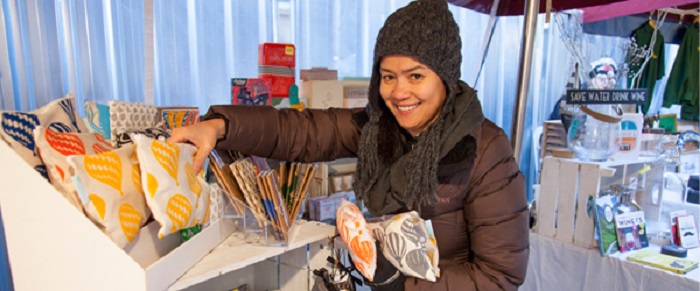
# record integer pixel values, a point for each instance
(426, 31)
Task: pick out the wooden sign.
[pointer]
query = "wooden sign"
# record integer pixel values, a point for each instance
(628, 96)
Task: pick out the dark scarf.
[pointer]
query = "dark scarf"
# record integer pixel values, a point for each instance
(396, 171)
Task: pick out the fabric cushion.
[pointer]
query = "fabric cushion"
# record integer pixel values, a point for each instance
(177, 196)
(355, 233)
(109, 184)
(178, 117)
(407, 244)
(124, 138)
(55, 147)
(97, 118)
(18, 127)
(125, 116)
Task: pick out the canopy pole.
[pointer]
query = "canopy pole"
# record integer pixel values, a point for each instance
(529, 29)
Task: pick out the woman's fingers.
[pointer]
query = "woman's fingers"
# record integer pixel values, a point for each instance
(201, 135)
(199, 157)
(179, 135)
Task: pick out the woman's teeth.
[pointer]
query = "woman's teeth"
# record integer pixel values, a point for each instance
(406, 108)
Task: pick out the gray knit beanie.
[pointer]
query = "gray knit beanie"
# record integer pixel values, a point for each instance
(426, 31)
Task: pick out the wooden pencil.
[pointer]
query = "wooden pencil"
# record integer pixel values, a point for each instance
(303, 189)
(283, 177)
(274, 195)
(279, 204)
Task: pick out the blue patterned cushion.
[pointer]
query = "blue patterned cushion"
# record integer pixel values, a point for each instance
(17, 128)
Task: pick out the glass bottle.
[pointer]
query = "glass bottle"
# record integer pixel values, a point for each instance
(595, 133)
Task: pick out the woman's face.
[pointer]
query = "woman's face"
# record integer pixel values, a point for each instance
(412, 91)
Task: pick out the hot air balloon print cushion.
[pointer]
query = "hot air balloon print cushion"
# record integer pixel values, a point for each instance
(355, 233)
(406, 243)
(111, 182)
(55, 147)
(125, 116)
(17, 128)
(177, 196)
(97, 118)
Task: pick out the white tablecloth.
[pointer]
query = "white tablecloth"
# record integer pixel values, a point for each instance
(555, 265)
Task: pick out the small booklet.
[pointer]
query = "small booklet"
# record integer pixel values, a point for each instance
(605, 224)
(661, 261)
(687, 231)
(631, 232)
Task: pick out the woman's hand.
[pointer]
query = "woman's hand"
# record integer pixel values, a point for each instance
(202, 135)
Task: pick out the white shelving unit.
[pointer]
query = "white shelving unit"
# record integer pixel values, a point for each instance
(53, 246)
(234, 254)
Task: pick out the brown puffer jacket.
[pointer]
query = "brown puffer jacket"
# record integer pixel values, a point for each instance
(480, 220)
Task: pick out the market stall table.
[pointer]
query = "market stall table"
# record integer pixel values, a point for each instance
(555, 265)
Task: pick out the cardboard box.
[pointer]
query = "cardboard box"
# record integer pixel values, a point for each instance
(318, 73)
(631, 136)
(52, 246)
(322, 94)
(325, 208)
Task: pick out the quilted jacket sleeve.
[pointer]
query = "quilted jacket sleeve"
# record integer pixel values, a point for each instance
(311, 135)
(496, 216)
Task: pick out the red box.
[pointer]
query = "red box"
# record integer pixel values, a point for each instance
(279, 83)
(276, 54)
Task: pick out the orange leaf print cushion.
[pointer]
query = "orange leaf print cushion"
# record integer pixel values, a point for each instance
(355, 233)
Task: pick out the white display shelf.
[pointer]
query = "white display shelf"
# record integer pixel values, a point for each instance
(235, 254)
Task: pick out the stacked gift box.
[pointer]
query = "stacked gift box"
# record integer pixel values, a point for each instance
(276, 63)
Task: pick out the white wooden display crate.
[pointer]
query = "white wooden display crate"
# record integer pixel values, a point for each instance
(51, 246)
(566, 184)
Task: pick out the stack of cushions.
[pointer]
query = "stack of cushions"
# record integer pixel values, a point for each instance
(18, 128)
(355, 233)
(177, 196)
(407, 244)
(110, 183)
(105, 183)
(55, 147)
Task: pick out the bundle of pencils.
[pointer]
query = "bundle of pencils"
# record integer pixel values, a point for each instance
(249, 183)
(283, 194)
(298, 178)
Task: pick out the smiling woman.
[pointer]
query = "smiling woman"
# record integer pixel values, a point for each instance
(422, 144)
